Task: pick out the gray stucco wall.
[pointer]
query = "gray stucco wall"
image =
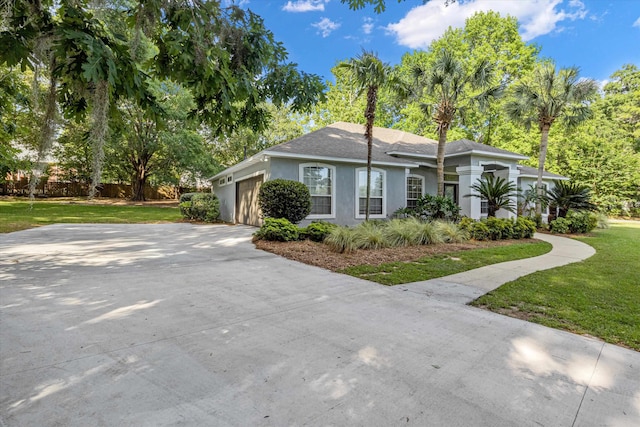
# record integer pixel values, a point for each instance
(345, 192)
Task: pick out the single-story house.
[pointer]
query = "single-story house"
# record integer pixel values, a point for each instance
(332, 162)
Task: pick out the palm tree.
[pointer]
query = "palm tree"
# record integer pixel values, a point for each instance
(496, 191)
(369, 74)
(567, 195)
(546, 97)
(447, 83)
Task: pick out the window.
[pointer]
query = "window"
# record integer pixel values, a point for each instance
(376, 196)
(319, 180)
(229, 179)
(451, 191)
(222, 181)
(415, 185)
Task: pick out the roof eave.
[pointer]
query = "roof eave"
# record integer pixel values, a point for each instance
(279, 154)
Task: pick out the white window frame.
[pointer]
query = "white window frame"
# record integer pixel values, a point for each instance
(358, 215)
(229, 179)
(222, 182)
(406, 192)
(332, 170)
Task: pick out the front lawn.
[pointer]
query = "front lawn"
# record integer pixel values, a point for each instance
(599, 296)
(20, 215)
(444, 264)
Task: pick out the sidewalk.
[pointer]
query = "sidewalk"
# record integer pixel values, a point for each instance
(467, 286)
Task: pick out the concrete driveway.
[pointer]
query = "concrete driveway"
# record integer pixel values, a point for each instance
(147, 325)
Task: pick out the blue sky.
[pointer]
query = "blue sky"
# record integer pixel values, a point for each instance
(599, 36)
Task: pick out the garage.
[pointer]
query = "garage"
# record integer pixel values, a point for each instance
(247, 209)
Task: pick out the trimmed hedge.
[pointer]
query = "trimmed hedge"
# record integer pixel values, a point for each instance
(277, 229)
(499, 228)
(575, 222)
(200, 207)
(317, 231)
(283, 198)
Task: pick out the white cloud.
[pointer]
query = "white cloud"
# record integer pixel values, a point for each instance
(637, 23)
(326, 26)
(425, 23)
(305, 6)
(367, 27)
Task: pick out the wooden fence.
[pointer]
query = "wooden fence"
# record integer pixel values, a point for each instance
(75, 189)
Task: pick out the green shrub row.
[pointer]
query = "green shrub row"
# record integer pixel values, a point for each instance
(200, 207)
(282, 230)
(577, 222)
(499, 228)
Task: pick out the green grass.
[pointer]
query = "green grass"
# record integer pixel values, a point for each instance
(599, 296)
(20, 215)
(431, 267)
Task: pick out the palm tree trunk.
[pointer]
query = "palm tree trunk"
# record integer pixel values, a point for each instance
(442, 140)
(544, 143)
(370, 115)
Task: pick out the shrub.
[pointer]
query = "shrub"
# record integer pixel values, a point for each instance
(341, 239)
(524, 228)
(200, 206)
(317, 231)
(282, 198)
(581, 221)
(499, 228)
(559, 225)
(477, 230)
(430, 207)
(449, 232)
(403, 232)
(277, 229)
(370, 235)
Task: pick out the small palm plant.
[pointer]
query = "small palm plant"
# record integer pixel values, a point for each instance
(498, 193)
(570, 195)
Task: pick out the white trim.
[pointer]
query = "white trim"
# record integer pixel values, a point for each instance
(406, 194)
(489, 154)
(358, 215)
(252, 175)
(548, 178)
(332, 168)
(336, 159)
(259, 157)
(222, 182)
(463, 153)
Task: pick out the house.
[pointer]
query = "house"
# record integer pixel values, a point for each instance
(332, 162)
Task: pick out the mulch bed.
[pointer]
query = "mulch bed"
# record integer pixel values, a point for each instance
(320, 255)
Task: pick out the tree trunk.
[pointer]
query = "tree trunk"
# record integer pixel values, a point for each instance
(138, 183)
(544, 142)
(442, 140)
(370, 115)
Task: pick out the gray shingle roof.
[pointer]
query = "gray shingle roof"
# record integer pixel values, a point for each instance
(346, 140)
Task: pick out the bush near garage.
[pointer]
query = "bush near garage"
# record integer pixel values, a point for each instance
(283, 198)
(200, 207)
(277, 229)
(317, 231)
